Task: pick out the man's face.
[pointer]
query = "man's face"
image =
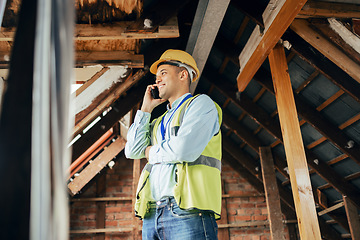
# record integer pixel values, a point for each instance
(167, 78)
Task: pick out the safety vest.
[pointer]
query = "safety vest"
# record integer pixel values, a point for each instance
(198, 183)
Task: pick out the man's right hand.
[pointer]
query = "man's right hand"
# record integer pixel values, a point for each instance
(149, 103)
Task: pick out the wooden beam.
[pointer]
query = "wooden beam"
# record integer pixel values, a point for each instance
(273, 127)
(317, 9)
(110, 31)
(272, 194)
(353, 218)
(85, 117)
(277, 18)
(294, 148)
(207, 22)
(89, 58)
(101, 199)
(223, 233)
(102, 230)
(119, 109)
(136, 176)
(96, 166)
(236, 163)
(326, 67)
(303, 29)
(330, 209)
(315, 119)
(100, 206)
(245, 135)
(107, 58)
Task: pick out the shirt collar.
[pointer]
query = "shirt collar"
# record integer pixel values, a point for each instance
(176, 102)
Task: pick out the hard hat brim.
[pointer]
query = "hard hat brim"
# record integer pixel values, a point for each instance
(154, 67)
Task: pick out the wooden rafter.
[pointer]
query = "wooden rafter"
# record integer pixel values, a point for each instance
(88, 58)
(113, 31)
(313, 117)
(273, 127)
(323, 65)
(236, 162)
(119, 109)
(303, 29)
(277, 18)
(97, 107)
(318, 9)
(96, 166)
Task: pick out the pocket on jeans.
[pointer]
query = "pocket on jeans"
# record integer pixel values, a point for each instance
(180, 213)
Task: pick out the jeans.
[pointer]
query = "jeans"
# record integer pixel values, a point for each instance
(167, 221)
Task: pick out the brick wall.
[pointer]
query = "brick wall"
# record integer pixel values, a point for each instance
(120, 215)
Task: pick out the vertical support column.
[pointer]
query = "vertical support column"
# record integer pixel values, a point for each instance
(100, 206)
(353, 218)
(294, 147)
(136, 176)
(223, 232)
(272, 194)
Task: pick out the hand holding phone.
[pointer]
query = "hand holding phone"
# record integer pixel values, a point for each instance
(155, 93)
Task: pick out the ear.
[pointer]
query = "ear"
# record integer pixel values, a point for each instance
(184, 75)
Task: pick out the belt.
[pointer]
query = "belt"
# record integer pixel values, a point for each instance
(162, 202)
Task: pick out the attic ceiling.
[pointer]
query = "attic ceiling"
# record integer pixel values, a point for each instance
(116, 41)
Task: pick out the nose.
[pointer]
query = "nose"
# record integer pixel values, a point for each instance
(157, 79)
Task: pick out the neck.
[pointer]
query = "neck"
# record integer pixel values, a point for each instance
(172, 99)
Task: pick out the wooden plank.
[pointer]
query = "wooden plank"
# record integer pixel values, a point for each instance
(136, 176)
(110, 31)
(106, 58)
(96, 166)
(236, 163)
(277, 16)
(89, 58)
(326, 67)
(303, 29)
(85, 119)
(317, 121)
(100, 206)
(102, 230)
(353, 218)
(223, 233)
(330, 209)
(272, 194)
(316, 9)
(91, 80)
(119, 109)
(101, 199)
(294, 148)
(272, 126)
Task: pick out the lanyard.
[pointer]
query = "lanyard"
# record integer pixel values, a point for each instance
(162, 127)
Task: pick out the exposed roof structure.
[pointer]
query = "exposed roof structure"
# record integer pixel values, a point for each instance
(116, 41)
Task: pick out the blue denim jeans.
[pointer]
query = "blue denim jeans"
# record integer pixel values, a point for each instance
(167, 221)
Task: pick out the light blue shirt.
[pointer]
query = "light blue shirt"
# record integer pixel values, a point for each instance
(200, 124)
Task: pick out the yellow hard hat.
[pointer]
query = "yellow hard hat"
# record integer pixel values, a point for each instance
(178, 58)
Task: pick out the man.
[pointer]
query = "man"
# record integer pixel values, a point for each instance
(179, 191)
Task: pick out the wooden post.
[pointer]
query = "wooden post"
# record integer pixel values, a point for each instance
(136, 175)
(353, 218)
(223, 233)
(272, 194)
(100, 206)
(294, 147)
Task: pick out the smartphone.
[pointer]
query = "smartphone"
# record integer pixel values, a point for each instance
(155, 93)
